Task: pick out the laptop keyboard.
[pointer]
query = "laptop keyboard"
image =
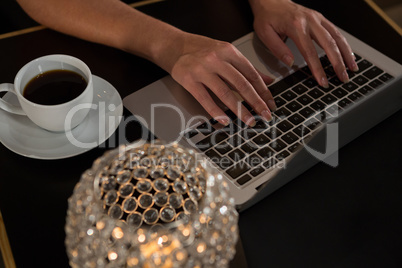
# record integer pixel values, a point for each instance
(244, 152)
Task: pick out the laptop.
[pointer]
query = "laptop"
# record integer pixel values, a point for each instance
(311, 124)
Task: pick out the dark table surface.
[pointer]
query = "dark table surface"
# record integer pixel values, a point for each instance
(348, 216)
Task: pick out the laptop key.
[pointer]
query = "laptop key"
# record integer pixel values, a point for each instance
(237, 169)
(191, 133)
(386, 77)
(315, 93)
(282, 155)
(224, 163)
(294, 106)
(360, 80)
(301, 130)
(236, 155)
(287, 82)
(270, 162)
(273, 133)
(318, 106)
(373, 72)
(260, 126)
(306, 112)
(289, 138)
(344, 102)
(257, 171)
(299, 89)
(249, 147)
(213, 155)
(296, 119)
(294, 147)
(235, 141)
(265, 152)
(312, 123)
(305, 99)
(244, 179)
(355, 96)
(279, 101)
(261, 139)
(335, 81)
(223, 148)
(375, 83)
(328, 99)
(253, 160)
(330, 71)
(284, 125)
(289, 95)
(248, 133)
(326, 89)
(350, 86)
(363, 65)
(282, 112)
(277, 145)
(366, 90)
(310, 83)
(218, 136)
(339, 92)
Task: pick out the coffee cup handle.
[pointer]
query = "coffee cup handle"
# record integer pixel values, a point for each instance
(6, 106)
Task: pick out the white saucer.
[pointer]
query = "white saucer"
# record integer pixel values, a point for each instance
(22, 136)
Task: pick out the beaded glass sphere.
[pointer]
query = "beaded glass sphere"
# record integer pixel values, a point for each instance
(148, 205)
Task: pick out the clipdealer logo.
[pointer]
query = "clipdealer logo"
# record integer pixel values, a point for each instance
(329, 156)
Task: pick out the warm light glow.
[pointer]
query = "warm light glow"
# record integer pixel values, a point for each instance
(100, 225)
(201, 247)
(112, 255)
(157, 260)
(225, 220)
(203, 218)
(132, 262)
(180, 256)
(141, 238)
(117, 233)
(90, 232)
(74, 253)
(215, 235)
(186, 231)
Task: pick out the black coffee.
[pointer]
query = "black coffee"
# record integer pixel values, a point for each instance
(55, 87)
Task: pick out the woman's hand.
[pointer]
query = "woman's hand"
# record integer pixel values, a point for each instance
(276, 19)
(206, 64)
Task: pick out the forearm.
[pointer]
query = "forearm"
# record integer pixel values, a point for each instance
(112, 23)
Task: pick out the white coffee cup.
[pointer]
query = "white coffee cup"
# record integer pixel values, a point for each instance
(50, 117)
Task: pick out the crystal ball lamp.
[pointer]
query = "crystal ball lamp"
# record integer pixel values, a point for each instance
(148, 205)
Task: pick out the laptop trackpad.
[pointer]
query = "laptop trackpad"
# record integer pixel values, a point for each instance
(165, 108)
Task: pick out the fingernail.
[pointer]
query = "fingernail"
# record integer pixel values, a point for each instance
(223, 121)
(345, 76)
(249, 120)
(266, 115)
(324, 82)
(355, 68)
(288, 60)
(272, 105)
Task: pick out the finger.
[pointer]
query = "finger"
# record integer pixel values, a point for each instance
(247, 82)
(200, 93)
(343, 45)
(258, 96)
(266, 78)
(266, 94)
(276, 45)
(307, 49)
(226, 95)
(330, 46)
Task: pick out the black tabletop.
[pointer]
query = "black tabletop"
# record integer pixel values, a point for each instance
(348, 216)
